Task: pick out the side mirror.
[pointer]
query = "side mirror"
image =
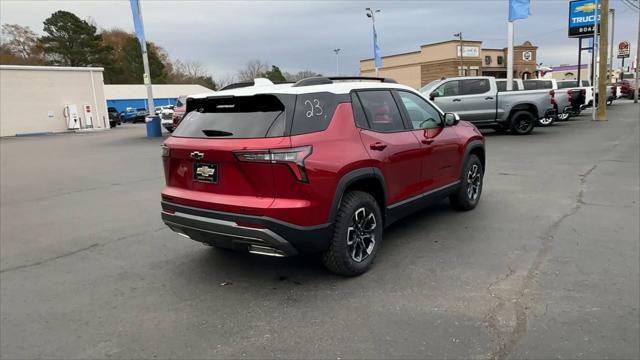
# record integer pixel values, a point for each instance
(451, 119)
(433, 95)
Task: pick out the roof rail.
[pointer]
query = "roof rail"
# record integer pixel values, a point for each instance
(325, 80)
(316, 80)
(371, 78)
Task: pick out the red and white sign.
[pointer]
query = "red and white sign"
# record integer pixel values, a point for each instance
(88, 116)
(624, 48)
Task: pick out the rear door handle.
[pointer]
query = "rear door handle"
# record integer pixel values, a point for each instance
(457, 100)
(427, 141)
(489, 98)
(378, 146)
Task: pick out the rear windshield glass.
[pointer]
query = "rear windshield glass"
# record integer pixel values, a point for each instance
(256, 116)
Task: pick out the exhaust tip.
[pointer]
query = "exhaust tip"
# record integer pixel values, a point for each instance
(265, 250)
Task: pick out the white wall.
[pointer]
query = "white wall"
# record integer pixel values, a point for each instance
(32, 98)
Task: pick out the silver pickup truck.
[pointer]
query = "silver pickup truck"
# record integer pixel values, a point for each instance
(476, 99)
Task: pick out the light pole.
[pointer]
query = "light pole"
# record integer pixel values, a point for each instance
(337, 51)
(613, 25)
(459, 36)
(372, 15)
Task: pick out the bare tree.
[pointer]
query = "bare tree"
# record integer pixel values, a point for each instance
(226, 80)
(253, 69)
(300, 75)
(19, 40)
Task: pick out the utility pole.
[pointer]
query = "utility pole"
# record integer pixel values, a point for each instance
(637, 84)
(613, 25)
(461, 72)
(602, 64)
(337, 51)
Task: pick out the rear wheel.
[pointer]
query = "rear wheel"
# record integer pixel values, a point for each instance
(546, 121)
(522, 123)
(356, 237)
(470, 190)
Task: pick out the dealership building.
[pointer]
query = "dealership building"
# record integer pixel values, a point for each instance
(442, 59)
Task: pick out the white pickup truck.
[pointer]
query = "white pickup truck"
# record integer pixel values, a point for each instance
(477, 99)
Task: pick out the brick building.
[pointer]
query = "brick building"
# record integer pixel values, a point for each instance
(436, 60)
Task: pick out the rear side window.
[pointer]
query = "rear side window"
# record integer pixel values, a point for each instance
(567, 84)
(474, 86)
(502, 85)
(381, 110)
(256, 116)
(358, 112)
(313, 112)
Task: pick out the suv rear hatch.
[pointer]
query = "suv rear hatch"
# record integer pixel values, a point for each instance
(222, 154)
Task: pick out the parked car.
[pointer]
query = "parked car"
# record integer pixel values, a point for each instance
(626, 89)
(114, 117)
(141, 115)
(179, 110)
(322, 166)
(159, 109)
(476, 99)
(129, 114)
(166, 119)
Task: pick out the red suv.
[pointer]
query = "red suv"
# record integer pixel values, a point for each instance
(321, 165)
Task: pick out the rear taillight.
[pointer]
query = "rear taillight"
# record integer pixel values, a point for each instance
(570, 93)
(166, 152)
(292, 157)
(614, 90)
(553, 98)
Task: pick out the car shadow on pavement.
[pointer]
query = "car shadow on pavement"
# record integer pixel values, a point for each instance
(221, 267)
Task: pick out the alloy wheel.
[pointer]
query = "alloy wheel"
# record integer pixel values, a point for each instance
(474, 178)
(361, 238)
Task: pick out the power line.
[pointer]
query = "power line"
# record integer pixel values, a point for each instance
(631, 5)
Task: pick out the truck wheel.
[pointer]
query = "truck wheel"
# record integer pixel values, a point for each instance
(546, 121)
(470, 190)
(522, 123)
(357, 235)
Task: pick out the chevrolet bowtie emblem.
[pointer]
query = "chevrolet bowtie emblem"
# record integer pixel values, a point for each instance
(205, 171)
(197, 155)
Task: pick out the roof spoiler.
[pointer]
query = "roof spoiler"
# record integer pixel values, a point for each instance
(242, 84)
(325, 80)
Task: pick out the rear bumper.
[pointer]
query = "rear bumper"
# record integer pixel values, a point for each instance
(240, 232)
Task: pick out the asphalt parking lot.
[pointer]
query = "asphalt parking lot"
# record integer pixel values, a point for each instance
(547, 266)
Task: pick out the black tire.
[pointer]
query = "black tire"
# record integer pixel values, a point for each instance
(465, 199)
(341, 257)
(522, 123)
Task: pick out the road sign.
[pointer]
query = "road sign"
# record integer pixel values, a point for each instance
(582, 17)
(624, 49)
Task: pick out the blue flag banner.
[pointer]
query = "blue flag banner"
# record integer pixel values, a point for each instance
(519, 9)
(137, 21)
(376, 49)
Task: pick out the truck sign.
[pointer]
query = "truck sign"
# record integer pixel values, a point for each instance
(582, 17)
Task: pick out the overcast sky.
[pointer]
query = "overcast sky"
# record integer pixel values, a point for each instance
(298, 35)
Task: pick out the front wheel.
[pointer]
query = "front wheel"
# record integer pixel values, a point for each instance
(522, 123)
(357, 235)
(470, 190)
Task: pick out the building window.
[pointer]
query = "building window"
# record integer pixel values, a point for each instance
(487, 60)
(500, 60)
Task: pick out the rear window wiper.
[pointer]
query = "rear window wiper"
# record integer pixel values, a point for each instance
(217, 133)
